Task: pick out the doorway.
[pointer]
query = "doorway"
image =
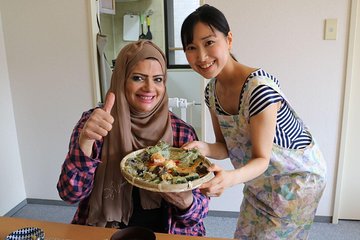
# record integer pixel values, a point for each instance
(347, 192)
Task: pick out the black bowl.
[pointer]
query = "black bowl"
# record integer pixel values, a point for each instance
(134, 233)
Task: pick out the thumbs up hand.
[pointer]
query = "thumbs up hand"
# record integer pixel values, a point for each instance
(98, 125)
(109, 102)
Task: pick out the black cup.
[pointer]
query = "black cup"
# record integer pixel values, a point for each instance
(134, 233)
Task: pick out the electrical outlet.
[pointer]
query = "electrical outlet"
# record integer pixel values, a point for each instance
(330, 29)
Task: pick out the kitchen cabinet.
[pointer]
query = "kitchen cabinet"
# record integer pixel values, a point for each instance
(107, 6)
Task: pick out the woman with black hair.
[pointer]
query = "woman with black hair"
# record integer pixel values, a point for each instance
(273, 152)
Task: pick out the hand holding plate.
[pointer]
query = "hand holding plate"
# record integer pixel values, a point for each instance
(181, 200)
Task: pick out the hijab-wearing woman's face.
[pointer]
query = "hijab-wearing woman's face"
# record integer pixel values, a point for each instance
(145, 86)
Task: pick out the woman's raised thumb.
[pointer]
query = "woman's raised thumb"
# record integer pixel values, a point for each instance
(109, 102)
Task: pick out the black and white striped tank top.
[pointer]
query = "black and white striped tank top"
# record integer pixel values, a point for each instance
(289, 130)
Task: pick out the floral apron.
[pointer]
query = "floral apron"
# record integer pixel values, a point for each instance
(281, 203)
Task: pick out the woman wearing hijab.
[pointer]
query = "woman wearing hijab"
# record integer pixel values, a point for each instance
(135, 115)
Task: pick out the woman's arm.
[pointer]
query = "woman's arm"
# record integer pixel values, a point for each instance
(262, 132)
(191, 220)
(187, 209)
(78, 170)
(181, 200)
(217, 150)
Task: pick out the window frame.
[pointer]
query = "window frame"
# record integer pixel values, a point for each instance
(169, 33)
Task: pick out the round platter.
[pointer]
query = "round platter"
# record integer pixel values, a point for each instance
(163, 186)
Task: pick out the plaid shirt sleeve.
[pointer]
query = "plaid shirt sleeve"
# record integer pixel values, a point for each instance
(78, 171)
(190, 222)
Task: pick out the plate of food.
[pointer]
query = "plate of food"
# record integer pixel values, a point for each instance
(162, 168)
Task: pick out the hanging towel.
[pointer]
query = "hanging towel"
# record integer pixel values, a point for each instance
(105, 71)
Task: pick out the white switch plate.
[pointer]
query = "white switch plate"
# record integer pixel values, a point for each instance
(330, 29)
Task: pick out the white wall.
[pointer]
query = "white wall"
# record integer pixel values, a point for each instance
(286, 39)
(11, 180)
(48, 57)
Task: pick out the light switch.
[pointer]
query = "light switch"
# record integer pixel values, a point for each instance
(330, 29)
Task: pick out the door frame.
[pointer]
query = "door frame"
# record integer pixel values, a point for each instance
(353, 40)
(94, 12)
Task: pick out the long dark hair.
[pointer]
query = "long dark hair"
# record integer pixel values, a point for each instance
(206, 14)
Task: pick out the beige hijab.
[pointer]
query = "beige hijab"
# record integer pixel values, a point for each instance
(111, 198)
